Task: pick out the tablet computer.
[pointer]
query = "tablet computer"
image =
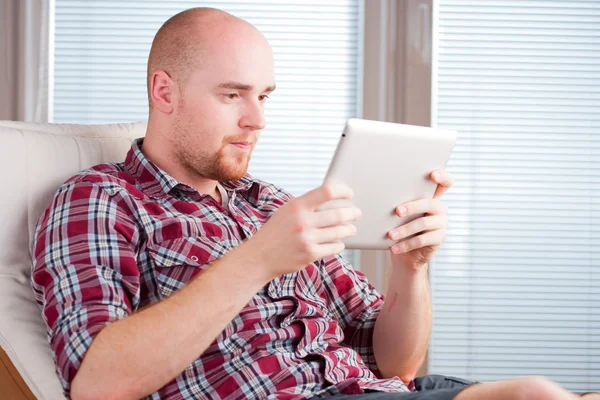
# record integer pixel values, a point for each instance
(386, 165)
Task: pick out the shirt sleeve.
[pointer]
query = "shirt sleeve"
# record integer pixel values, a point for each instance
(356, 304)
(84, 274)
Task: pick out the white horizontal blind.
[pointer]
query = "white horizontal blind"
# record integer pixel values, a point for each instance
(100, 73)
(516, 287)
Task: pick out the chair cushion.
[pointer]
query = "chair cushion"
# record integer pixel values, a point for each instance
(35, 159)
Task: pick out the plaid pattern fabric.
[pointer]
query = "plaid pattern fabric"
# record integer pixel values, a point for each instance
(118, 237)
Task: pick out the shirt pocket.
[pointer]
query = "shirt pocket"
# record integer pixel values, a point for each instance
(177, 261)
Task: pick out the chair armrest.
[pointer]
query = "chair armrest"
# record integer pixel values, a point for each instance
(12, 386)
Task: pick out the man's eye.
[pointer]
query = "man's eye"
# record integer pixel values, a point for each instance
(263, 97)
(232, 96)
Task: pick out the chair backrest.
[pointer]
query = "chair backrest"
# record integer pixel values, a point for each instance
(35, 159)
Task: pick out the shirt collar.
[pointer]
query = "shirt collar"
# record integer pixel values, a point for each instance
(158, 183)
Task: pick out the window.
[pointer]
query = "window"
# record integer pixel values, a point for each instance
(516, 287)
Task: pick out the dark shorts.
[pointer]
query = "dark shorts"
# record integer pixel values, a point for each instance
(428, 387)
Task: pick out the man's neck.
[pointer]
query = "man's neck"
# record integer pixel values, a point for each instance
(162, 161)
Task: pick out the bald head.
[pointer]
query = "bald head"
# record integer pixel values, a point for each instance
(209, 75)
(184, 40)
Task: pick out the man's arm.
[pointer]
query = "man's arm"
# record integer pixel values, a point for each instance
(390, 336)
(403, 326)
(136, 356)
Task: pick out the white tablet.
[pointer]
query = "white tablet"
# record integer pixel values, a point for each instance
(386, 165)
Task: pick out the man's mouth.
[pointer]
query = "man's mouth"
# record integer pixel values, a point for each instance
(243, 145)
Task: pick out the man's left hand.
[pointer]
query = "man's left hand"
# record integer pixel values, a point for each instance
(420, 238)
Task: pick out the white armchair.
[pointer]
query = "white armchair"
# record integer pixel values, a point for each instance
(35, 159)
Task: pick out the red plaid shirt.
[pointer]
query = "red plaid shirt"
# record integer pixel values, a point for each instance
(118, 237)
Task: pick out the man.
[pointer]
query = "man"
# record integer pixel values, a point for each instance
(175, 275)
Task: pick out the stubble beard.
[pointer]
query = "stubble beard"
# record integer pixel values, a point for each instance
(222, 166)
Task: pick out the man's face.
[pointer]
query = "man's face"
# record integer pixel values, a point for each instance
(221, 109)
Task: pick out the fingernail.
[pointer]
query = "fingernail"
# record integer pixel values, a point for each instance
(402, 210)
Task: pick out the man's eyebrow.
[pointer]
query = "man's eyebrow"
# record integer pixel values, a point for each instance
(243, 86)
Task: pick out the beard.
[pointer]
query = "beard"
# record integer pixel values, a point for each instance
(224, 165)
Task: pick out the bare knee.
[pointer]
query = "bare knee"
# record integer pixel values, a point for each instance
(528, 388)
(538, 388)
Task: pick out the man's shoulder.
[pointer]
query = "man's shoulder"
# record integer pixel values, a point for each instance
(89, 191)
(110, 177)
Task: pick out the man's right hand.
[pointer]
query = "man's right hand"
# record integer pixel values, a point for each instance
(298, 234)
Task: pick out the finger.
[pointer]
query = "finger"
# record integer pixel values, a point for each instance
(433, 238)
(325, 193)
(335, 216)
(328, 249)
(419, 225)
(422, 206)
(333, 233)
(444, 181)
(442, 177)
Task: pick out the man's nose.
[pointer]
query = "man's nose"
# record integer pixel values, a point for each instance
(254, 116)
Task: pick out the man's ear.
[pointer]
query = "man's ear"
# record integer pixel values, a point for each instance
(163, 92)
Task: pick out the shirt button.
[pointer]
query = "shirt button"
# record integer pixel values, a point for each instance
(194, 258)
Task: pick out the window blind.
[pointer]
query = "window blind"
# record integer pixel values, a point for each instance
(516, 286)
(101, 49)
